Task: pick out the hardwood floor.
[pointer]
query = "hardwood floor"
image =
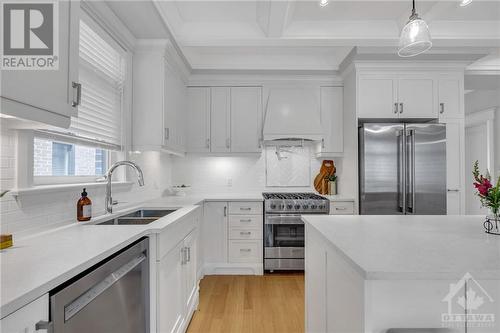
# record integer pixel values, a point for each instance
(269, 303)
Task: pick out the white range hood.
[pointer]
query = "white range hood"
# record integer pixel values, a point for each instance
(291, 114)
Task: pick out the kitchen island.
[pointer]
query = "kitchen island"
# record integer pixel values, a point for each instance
(373, 273)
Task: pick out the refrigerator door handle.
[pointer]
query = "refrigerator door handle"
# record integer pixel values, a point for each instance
(411, 172)
(401, 172)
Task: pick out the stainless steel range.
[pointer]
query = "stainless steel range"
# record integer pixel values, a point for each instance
(284, 230)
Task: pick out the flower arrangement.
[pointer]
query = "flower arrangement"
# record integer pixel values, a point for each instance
(488, 193)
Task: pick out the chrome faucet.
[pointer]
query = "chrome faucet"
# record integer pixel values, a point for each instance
(140, 180)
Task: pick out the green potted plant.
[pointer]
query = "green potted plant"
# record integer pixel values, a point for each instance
(332, 184)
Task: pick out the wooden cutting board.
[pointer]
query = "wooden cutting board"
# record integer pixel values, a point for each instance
(327, 169)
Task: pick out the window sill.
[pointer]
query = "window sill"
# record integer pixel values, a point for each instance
(44, 189)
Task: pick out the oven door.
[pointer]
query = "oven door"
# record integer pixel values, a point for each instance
(284, 231)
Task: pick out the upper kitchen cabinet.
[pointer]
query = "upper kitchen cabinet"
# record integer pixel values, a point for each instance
(48, 96)
(220, 120)
(224, 119)
(416, 98)
(386, 97)
(377, 97)
(246, 119)
(198, 120)
(159, 99)
(451, 96)
(331, 107)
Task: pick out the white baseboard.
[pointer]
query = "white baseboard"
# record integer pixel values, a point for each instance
(233, 269)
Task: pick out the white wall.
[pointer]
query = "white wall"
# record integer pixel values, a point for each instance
(477, 101)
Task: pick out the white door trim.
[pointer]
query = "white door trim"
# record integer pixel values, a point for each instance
(487, 117)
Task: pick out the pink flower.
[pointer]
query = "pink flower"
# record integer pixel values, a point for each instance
(483, 186)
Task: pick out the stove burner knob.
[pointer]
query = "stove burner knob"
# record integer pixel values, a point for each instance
(282, 206)
(305, 206)
(321, 206)
(297, 206)
(289, 206)
(273, 206)
(313, 206)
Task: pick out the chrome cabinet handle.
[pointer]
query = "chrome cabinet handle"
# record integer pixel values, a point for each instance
(44, 325)
(245, 208)
(225, 211)
(400, 107)
(322, 143)
(340, 208)
(208, 143)
(441, 110)
(453, 190)
(245, 250)
(188, 254)
(396, 108)
(167, 133)
(78, 87)
(248, 220)
(245, 232)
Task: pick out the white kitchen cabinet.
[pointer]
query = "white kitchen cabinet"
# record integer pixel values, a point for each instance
(174, 111)
(190, 288)
(198, 120)
(246, 119)
(170, 290)
(48, 96)
(332, 109)
(220, 120)
(214, 230)
(455, 164)
(416, 97)
(159, 100)
(224, 119)
(25, 319)
(386, 97)
(451, 96)
(377, 97)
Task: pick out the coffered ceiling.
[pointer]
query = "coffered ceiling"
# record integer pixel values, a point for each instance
(301, 35)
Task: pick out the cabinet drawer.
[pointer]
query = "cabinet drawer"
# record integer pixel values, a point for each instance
(245, 208)
(342, 208)
(246, 221)
(245, 251)
(245, 233)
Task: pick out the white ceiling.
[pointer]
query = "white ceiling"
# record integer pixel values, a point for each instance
(301, 35)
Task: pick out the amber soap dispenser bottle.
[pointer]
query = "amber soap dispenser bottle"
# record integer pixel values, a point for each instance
(84, 208)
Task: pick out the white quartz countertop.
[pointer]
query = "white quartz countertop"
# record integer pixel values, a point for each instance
(412, 247)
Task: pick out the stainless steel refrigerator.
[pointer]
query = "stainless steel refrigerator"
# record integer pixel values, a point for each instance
(402, 169)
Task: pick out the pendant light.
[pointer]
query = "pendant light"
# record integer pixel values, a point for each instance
(415, 37)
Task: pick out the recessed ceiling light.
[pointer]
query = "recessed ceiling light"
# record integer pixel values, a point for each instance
(324, 3)
(464, 3)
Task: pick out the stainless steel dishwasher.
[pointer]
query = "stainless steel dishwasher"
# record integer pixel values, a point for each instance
(112, 296)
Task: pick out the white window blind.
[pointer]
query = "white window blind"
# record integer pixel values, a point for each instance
(102, 75)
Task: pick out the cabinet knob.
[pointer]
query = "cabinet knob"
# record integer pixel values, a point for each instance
(396, 108)
(441, 108)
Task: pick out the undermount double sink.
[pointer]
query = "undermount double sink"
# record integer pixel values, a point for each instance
(141, 216)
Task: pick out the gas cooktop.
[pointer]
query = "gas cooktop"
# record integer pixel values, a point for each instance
(293, 203)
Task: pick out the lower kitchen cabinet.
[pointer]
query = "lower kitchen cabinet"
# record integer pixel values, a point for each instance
(455, 163)
(25, 319)
(232, 237)
(177, 280)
